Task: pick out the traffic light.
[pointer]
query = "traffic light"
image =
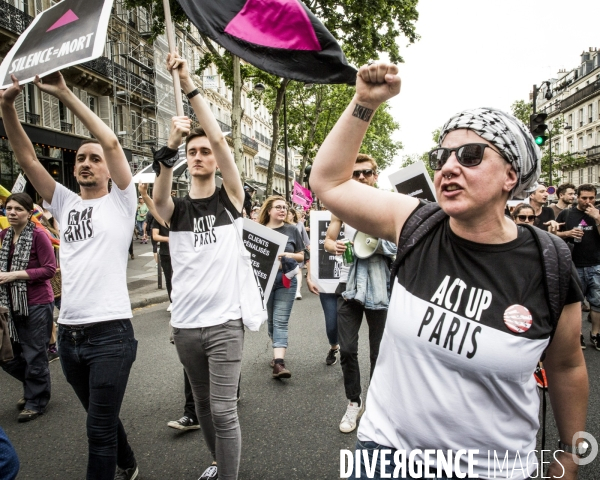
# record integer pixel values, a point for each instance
(538, 128)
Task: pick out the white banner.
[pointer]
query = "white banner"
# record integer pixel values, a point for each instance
(414, 181)
(19, 185)
(325, 269)
(265, 245)
(69, 33)
(211, 82)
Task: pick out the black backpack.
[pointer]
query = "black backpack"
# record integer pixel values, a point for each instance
(554, 252)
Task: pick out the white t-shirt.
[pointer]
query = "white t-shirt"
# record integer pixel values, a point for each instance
(204, 255)
(94, 242)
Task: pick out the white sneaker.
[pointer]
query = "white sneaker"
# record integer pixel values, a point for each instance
(210, 473)
(353, 413)
(298, 297)
(170, 307)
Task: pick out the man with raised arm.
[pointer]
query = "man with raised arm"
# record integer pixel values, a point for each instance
(96, 342)
(204, 234)
(459, 308)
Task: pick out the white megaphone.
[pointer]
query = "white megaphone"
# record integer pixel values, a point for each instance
(366, 246)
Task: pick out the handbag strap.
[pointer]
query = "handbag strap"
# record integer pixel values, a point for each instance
(239, 236)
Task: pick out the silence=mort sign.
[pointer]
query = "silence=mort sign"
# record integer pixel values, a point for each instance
(66, 34)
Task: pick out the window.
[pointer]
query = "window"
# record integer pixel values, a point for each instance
(570, 121)
(580, 144)
(570, 176)
(590, 175)
(580, 176)
(590, 115)
(581, 117)
(92, 102)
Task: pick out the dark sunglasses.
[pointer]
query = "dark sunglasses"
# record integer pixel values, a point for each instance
(526, 218)
(366, 173)
(468, 155)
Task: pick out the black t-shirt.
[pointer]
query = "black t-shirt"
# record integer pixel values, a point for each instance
(295, 243)
(546, 215)
(587, 252)
(163, 232)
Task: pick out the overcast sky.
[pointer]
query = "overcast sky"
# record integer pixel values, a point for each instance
(475, 53)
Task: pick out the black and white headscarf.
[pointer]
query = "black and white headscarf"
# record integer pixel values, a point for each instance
(509, 135)
(18, 288)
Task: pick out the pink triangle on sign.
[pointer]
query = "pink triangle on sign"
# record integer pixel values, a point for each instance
(67, 18)
(275, 23)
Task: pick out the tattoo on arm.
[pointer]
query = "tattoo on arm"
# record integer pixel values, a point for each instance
(363, 113)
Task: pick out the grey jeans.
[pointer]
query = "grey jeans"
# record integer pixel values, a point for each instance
(212, 358)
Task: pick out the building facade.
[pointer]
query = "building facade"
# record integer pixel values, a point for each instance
(129, 88)
(575, 108)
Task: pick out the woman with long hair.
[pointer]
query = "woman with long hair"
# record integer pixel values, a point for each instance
(273, 214)
(27, 263)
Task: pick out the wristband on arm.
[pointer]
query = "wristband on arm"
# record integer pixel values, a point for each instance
(166, 156)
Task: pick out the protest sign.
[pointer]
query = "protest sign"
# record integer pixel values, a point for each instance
(414, 181)
(69, 33)
(19, 185)
(302, 196)
(325, 268)
(264, 245)
(210, 82)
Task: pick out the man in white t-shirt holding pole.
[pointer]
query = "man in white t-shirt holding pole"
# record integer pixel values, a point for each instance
(96, 342)
(203, 241)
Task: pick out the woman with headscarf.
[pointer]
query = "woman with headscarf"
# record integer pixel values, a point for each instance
(27, 263)
(469, 317)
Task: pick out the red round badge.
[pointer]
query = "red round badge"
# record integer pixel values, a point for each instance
(518, 319)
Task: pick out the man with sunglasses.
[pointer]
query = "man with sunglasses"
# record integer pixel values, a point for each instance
(465, 328)
(375, 275)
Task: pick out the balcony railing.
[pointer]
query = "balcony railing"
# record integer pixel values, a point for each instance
(105, 67)
(13, 19)
(580, 95)
(262, 138)
(66, 127)
(593, 152)
(249, 142)
(32, 118)
(264, 163)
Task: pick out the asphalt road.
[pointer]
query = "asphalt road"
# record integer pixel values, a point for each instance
(289, 427)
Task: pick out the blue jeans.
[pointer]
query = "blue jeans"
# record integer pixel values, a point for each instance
(9, 461)
(30, 365)
(329, 304)
(96, 361)
(279, 308)
(371, 447)
(590, 282)
(140, 227)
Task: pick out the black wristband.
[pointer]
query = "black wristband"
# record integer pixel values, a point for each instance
(166, 156)
(192, 94)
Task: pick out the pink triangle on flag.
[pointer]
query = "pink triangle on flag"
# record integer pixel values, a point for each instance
(67, 18)
(275, 23)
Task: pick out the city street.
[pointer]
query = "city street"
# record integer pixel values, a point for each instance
(289, 427)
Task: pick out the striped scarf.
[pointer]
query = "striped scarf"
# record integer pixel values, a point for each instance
(18, 288)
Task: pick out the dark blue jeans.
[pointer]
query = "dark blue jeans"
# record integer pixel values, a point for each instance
(329, 304)
(96, 361)
(9, 461)
(30, 365)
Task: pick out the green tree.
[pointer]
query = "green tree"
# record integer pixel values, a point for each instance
(522, 110)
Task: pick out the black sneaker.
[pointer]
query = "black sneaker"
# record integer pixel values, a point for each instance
(332, 356)
(583, 347)
(28, 415)
(210, 473)
(595, 339)
(52, 356)
(127, 474)
(184, 423)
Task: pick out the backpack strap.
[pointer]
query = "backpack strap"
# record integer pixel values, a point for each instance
(418, 225)
(557, 266)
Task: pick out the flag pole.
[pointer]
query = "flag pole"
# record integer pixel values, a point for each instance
(173, 49)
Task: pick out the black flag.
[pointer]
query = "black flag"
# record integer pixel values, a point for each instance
(281, 37)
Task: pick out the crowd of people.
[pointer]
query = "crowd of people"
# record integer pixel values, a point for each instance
(436, 334)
